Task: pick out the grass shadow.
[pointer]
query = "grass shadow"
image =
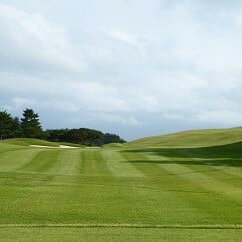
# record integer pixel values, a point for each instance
(224, 155)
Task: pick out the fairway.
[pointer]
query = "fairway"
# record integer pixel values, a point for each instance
(120, 192)
(120, 120)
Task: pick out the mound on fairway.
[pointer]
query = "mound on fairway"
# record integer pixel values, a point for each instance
(193, 138)
(29, 141)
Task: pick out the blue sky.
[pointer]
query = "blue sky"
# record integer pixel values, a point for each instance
(132, 67)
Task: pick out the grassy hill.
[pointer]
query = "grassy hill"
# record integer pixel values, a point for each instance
(142, 191)
(193, 138)
(28, 142)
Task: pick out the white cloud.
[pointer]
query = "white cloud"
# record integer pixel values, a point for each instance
(129, 62)
(116, 118)
(21, 102)
(226, 117)
(28, 39)
(124, 36)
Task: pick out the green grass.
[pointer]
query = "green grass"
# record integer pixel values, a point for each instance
(194, 138)
(29, 141)
(118, 193)
(117, 234)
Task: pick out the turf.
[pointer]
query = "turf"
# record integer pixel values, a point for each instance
(121, 193)
(193, 138)
(27, 142)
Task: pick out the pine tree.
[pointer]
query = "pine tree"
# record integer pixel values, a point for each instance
(16, 128)
(30, 124)
(6, 122)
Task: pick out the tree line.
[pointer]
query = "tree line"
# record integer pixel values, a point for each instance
(29, 126)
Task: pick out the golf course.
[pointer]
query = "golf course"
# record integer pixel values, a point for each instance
(182, 186)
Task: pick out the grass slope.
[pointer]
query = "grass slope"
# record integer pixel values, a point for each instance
(28, 142)
(121, 193)
(193, 138)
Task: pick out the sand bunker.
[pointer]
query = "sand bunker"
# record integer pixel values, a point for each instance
(51, 147)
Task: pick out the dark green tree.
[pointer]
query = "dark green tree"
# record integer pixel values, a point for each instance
(112, 138)
(82, 136)
(30, 124)
(6, 122)
(16, 128)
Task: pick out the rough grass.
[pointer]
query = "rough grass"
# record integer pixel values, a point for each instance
(111, 194)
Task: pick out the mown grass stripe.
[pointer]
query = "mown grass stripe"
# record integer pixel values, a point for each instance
(67, 163)
(118, 166)
(87, 163)
(15, 160)
(141, 163)
(166, 179)
(208, 182)
(219, 174)
(101, 164)
(166, 186)
(207, 163)
(42, 161)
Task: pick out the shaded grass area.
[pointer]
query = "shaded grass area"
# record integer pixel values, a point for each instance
(227, 155)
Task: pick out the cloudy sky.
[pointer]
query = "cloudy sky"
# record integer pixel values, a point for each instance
(132, 67)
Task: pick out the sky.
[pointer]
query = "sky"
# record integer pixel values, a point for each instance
(131, 67)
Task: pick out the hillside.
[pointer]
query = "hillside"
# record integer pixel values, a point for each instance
(193, 138)
(28, 142)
